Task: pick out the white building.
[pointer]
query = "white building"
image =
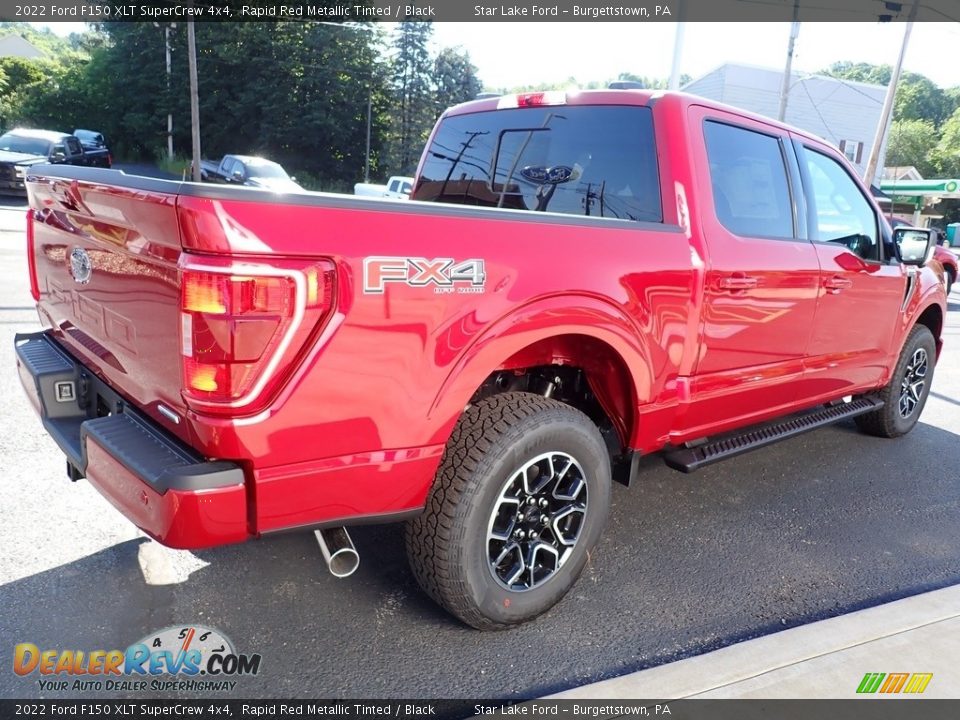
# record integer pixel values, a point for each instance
(16, 46)
(843, 112)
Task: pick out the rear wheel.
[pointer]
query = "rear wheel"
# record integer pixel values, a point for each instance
(906, 394)
(521, 497)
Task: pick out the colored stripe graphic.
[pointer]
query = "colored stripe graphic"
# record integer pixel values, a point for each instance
(918, 682)
(870, 682)
(894, 682)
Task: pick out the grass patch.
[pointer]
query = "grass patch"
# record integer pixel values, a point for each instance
(178, 165)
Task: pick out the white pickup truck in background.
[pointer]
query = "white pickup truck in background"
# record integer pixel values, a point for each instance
(399, 186)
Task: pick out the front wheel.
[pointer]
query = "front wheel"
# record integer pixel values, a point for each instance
(906, 394)
(521, 497)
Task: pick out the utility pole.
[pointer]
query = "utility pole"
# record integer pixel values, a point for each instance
(677, 49)
(166, 33)
(167, 27)
(194, 98)
(366, 161)
(788, 69)
(884, 124)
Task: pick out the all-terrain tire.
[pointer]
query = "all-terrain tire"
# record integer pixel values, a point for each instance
(892, 420)
(495, 447)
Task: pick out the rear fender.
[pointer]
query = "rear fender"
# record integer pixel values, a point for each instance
(520, 339)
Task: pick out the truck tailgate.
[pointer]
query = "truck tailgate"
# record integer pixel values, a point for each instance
(106, 267)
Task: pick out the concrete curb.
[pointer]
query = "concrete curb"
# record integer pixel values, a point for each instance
(860, 635)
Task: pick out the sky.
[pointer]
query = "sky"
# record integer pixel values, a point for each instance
(525, 53)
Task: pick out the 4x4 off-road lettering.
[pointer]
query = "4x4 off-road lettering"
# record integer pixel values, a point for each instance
(445, 274)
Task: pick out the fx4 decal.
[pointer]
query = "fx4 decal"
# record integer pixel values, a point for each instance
(444, 274)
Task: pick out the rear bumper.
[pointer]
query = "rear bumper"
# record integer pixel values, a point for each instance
(165, 488)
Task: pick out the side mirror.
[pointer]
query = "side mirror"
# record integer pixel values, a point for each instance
(915, 244)
(238, 174)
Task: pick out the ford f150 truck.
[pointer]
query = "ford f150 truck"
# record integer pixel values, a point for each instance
(579, 280)
(21, 149)
(248, 170)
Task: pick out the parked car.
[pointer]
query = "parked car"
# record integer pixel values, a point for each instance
(628, 277)
(23, 148)
(398, 186)
(90, 139)
(949, 262)
(248, 170)
(941, 254)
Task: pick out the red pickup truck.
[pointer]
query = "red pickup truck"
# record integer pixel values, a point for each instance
(580, 279)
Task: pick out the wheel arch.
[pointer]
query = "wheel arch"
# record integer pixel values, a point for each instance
(587, 333)
(932, 318)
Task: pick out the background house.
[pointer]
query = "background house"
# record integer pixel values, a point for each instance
(16, 46)
(843, 112)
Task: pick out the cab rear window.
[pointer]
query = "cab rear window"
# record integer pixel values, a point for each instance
(578, 160)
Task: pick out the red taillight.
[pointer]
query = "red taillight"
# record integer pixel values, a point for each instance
(32, 258)
(242, 327)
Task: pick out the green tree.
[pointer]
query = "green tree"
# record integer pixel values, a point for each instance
(415, 111)
(59, 100)
(860, 72)
(21, 72)
(946, 154)
(455, 78)
(294, 92)
(653, 83)
(918, 97)
(911, 142)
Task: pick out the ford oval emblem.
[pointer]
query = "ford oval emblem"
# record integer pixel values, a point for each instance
(556, 175)
(80, 266)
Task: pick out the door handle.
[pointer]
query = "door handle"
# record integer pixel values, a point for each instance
(737, 282)
(837, 283)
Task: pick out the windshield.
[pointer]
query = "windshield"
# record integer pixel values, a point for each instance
(266, 170)
(25, 145)
(579, 160)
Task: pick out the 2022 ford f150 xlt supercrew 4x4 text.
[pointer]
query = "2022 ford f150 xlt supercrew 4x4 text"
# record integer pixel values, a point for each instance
(579, 279)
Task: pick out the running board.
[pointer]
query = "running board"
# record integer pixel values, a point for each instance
(689, 459)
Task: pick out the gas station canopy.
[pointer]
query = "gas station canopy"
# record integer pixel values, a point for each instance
(949, 188)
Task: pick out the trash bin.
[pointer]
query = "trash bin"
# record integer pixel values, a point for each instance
(952, 238)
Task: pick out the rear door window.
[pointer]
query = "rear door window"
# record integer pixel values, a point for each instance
(751, 194)
(597, 161)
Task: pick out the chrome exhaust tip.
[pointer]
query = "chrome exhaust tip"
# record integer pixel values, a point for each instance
(338, 551)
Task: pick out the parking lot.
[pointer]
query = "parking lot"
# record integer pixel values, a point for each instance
(813, 527)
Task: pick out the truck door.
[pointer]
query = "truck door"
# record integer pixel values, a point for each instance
(861, 290)
(762, 272)
(74, 151)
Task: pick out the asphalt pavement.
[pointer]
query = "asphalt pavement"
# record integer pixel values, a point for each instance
(814, 527)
